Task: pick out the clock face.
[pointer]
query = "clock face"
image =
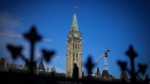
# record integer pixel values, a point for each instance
(75, 35)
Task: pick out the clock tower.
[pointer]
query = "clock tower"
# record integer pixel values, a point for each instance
(74, 48)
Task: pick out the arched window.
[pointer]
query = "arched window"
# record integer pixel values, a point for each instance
(73, 45)
(73, 55)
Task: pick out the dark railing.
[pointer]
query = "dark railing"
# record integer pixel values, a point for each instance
(30, 76)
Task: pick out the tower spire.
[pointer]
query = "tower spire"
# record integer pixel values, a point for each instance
(41, 66)
(74, 48)
(74, 25)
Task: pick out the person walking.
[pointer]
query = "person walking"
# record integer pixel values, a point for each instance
(75, 74)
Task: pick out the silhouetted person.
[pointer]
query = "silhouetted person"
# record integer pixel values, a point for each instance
(53, 80)
(146, 80)
(123, 80)
(82, 74)
(75, 74)
(53, 73)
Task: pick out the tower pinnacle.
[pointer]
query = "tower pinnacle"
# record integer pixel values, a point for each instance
(41, 66)
(74, 25)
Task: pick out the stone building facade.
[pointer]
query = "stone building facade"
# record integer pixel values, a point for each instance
(4, 63)
(97, 74)
(74, 48)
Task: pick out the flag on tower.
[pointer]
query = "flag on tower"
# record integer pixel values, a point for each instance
(75, 6)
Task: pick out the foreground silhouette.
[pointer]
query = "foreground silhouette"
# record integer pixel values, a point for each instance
(123, 65)
(30, 76)
(75, 74)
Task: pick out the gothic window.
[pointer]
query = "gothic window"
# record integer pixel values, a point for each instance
(77, 46)
(73, 45)
(76, 55)
(73, 55)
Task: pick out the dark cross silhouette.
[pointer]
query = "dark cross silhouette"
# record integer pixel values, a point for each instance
(32, 36)
(14, 50)
(47, 54)
(89, 66)
(123, 65)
